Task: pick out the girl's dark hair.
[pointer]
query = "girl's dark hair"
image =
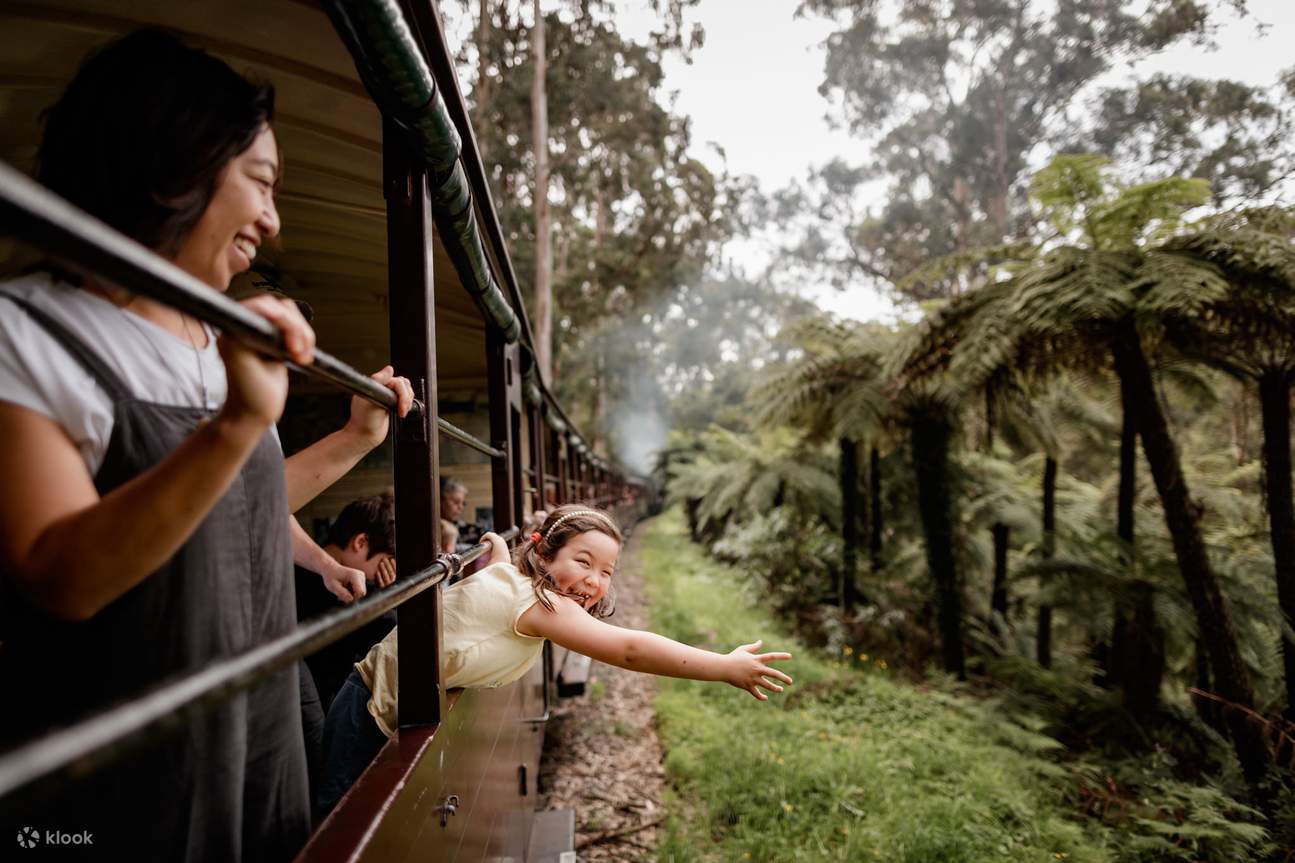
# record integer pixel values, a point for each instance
(141, 135)
(531, 557)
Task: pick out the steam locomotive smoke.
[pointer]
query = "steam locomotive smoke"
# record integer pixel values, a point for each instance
(634, 414)
(639, 434)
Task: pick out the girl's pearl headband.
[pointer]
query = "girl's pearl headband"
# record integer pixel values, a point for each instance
(536, 537)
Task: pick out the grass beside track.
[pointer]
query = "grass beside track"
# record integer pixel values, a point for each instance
(847, 764)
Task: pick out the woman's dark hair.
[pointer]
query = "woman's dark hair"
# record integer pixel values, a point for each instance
(531, 556)
(141, 135)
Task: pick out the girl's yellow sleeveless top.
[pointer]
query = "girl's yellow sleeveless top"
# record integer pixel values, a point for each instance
(483, 648)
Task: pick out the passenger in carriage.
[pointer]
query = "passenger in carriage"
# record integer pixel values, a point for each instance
(362, 538)
(556, 586)
(456, 534)
(144, 525)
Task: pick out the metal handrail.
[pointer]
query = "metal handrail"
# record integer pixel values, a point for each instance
(101, 738)
(30, 211)
(458, 434)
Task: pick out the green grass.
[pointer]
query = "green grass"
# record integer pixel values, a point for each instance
(848, 764)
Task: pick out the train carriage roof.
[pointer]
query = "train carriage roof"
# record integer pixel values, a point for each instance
(332, 252)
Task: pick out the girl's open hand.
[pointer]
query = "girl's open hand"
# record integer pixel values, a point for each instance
(749, 669)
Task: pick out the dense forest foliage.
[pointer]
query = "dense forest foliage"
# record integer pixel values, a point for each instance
(1066, 483)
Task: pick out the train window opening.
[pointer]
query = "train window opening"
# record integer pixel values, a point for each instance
(351, 256)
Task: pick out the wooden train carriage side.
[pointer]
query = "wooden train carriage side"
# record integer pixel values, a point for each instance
(390, 239)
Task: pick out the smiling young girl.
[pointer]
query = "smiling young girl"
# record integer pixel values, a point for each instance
(557, 587)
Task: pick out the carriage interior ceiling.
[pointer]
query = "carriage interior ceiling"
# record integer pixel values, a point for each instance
(332, 252)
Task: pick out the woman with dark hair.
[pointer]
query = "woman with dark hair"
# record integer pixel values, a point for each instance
(145, 527)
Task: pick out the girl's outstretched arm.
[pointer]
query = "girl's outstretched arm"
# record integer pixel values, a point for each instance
(570, 626)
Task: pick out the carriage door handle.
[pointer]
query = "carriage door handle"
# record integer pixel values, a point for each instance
(448, 808)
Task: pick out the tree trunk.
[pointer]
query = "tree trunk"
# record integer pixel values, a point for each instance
(481, 94)
(543, 227)
(691, 506)
(998, 595)
(1128, 492)
(999, 532)
(1043, 636)
(874, 512)
(1114, 664)
(849, 522)
(1207, 709)
(596, 401)
(1240, 425)
(1213, 621)
(1274, 399)
(931, 434)
(1144, 646)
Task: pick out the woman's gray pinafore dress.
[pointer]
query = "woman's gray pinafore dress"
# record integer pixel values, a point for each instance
(231, 784)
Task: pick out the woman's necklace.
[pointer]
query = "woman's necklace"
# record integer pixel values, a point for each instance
(197, 355)
(161, 358)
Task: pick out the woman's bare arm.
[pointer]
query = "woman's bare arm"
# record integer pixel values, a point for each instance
(72, 552)
(328, 459)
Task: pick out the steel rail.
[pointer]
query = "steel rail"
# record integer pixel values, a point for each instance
(458, 434)
(33, 213)
(30, 211)
(101, 738)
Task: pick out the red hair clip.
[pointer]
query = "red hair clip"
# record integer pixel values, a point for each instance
(535, 537)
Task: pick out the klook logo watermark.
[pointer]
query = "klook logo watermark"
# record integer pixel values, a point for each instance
(30, 837)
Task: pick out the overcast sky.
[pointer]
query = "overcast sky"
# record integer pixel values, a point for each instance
(752, 89)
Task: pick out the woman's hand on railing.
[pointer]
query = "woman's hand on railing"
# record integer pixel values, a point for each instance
(369, 422)
(258, 386)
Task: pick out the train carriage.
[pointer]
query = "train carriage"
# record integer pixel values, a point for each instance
(390, 239)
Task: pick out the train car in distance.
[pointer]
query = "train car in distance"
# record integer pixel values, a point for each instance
(391, 243)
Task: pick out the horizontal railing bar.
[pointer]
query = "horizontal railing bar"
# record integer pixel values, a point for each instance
(34, 213)
(452, 431)
(97, 740)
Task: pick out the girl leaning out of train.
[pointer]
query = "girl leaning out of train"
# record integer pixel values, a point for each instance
(557, 587)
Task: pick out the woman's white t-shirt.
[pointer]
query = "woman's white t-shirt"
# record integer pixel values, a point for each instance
(38, 373)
